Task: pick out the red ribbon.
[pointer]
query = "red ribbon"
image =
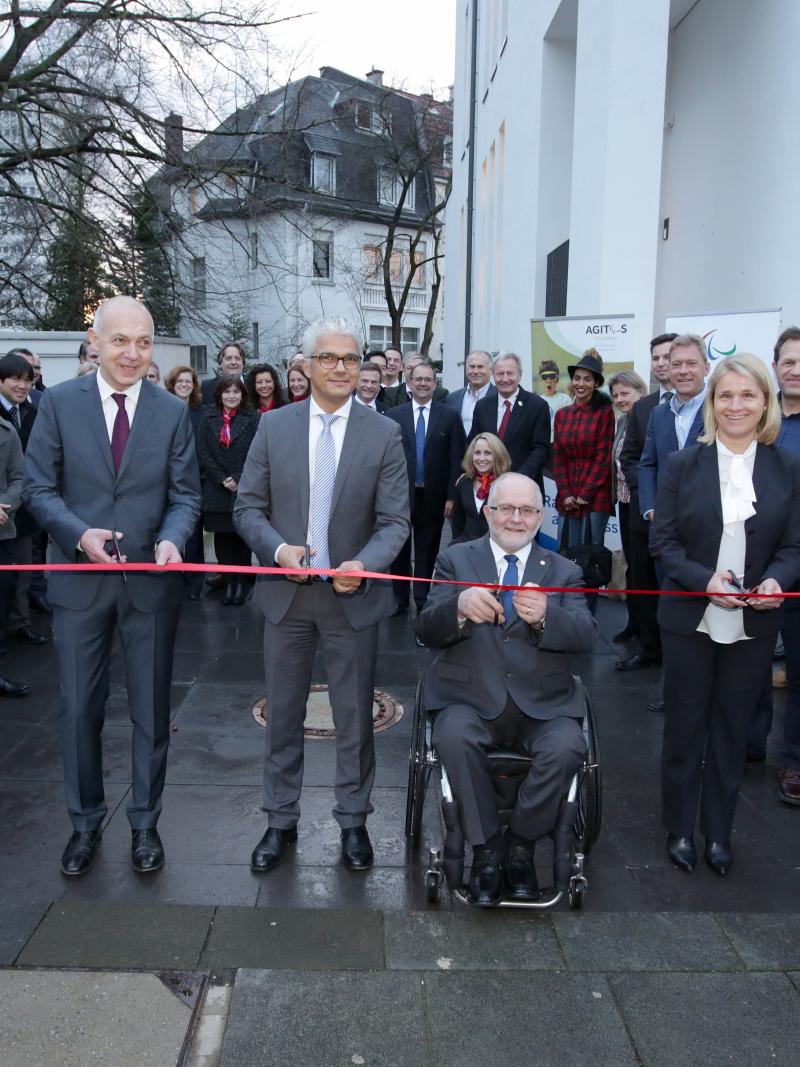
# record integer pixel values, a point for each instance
(313, 572)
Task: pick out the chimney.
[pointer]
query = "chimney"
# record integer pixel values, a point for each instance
(173, 137)
(450, 98)
(375, 77)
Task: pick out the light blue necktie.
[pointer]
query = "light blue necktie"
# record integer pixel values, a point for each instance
(322, 492)
(420, 478)
(511, 577)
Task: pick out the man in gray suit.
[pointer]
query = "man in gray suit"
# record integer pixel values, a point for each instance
(329, 474)
(478, 369)
(503, 678)
(111, 462)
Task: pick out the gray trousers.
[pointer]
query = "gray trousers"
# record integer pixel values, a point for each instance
(462, 739)
(315, 617)
(83, 643)
(20, 614)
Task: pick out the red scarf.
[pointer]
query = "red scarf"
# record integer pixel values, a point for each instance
(262, 407)
(486, 480)
(228, 415)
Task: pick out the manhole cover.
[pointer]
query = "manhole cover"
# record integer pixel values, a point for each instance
(386, 711)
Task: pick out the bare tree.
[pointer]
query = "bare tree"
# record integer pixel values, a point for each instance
(85, 87)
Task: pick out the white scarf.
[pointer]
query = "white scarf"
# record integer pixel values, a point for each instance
(736, 476)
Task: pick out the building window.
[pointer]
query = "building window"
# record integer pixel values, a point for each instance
(321, 259)
(253, 254)
(323, 173)
(199, 281)
(198, 358)
(447, 153)
(380, 338)
(363, 116)
(254, 341)
(373, 263)
(390, 189)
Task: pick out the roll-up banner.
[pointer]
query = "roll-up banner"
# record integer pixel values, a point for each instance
(562, 341)
(729, 333)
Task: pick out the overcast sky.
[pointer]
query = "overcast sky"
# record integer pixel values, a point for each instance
(412, 41)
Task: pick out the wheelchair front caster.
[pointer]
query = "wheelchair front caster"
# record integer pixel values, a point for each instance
(434, 876)
(576, 892)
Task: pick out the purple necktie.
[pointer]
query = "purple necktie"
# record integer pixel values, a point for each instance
(121, 431)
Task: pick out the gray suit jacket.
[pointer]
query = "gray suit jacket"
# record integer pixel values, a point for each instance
(71, 486)
(482, 664)
(369, 521)
(11, 475)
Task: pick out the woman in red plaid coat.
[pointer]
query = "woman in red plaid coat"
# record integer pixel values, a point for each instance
(582, 444)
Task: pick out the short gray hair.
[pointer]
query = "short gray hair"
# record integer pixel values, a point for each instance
(508, 355)
(507, 477)
(320, 327)
(411, 355)
(690, 340)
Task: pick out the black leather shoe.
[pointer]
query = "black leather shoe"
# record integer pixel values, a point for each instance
(239, 593)
(26, 636)
(656, 705)
(229, 593)
(486, 878)
(13, 689)
(147, 852)
(718, 856)
(216, 581)
(637, 662)
(624, 635)
(268, 853)
(521, 872)
(79, 855)
(39, 602)
(682, 852)
(357, 854)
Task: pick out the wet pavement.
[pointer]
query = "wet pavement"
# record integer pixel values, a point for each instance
(327, 966)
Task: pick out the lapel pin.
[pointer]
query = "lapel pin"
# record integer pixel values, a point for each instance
(542, 563)
(519, 403)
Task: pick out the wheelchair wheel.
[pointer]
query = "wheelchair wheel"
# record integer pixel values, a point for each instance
(590, 791)
(576, 893)
(419, 772)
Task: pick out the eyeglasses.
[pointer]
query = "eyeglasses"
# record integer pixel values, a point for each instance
(505, 511)
(329, 360)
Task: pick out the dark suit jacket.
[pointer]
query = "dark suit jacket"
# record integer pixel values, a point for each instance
(380, 407)
(482, 664)
(444, 451)
(396, 395)
(659, 443)
(468, 524)
(527, 434)
(687, 530)
(635, 434)
(369, 520)
(71, 486)
(24, 522)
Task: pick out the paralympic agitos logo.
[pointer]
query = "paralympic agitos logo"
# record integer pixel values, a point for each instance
(714, 351)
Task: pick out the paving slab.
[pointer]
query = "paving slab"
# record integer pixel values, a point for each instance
(700, 1019)
(18, 920)
(121, 936)
(35, 823)
(751, 886)
(378, 889)
(765, 942)
(305, 1019)
(519, 1018)
(637, 942)
(471, 940)
(57, 1019)
(175, 883)
(294, 939)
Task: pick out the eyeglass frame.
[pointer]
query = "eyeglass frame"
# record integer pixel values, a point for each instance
(507, 510)
(349, 362)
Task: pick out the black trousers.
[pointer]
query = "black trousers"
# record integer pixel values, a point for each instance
(426, 533)
(642, 575)
(711, 692)
(232, 551)
(8, 583)
(193, 553)
(790, 754)
(463, 738)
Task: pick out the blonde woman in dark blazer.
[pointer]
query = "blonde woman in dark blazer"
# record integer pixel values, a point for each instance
(484, 461)
(727, 518)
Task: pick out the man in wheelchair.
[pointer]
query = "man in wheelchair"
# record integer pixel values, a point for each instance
(503, 678)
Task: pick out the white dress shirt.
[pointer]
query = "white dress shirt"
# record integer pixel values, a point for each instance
(110, 408)
(502, 563)
(724, 625)
(364, 404)
(501, 405)
(468, 405)
(425, 410)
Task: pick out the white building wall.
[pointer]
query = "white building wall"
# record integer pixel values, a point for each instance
(731, 160)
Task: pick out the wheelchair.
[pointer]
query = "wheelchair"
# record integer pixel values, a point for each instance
(576, 831)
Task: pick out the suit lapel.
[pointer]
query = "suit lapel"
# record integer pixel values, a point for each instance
(708, 466)
(433, 418)
(93, 410)
(517, 410)
(352, 438)
(481, 559)
(302, 412)
(145, 410)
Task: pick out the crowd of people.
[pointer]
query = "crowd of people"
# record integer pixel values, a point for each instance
(356, 463)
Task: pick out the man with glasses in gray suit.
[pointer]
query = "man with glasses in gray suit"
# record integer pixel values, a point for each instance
(324, 480)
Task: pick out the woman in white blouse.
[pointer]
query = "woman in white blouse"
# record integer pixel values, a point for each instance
(727, 526)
